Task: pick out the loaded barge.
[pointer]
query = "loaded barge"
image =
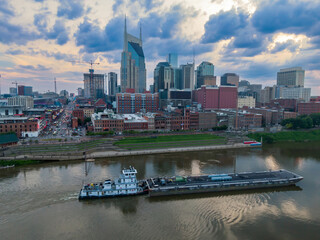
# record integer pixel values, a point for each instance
(221, 182)
(128, 185)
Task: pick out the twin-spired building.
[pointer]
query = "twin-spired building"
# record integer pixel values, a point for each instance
(133, 67)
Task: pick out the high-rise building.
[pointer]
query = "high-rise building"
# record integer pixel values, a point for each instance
(13, 91)
(230, 79)
(205, 74)
(93, 85)
(27, 90)
(187, 76)
(112, 83)
(267, 94)
(64, 93)
(20, 90)
(177, 81)
(296, 93)
(133, 69)
(172, 59)
(80, 92)
(291, 77)
(244, 83)
(163, 76)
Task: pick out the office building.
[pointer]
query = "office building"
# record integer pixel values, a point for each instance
(13, 91)
(267, 94)
(205, 75)
(24, 90)
(133, 69)
(163, 76)
(230, 79)
(187, 76)
(80, 92)
(296, 93)
(93, 85)
(246, 101)
(291, 77)
(172, 59)
(112, 83)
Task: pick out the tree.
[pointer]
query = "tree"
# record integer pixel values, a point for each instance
(87, 120)
(79, 122)
(315, 118)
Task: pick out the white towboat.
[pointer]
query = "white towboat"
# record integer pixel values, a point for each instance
(125, 185)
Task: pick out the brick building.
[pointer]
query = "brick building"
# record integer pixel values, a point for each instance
(309, 108)
(217, 97)
(207, 120)
(78, 113)
(249, 120)
(137, 102)
(22, 126)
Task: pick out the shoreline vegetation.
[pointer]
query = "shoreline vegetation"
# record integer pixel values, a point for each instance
(16, 163)
(287, 136)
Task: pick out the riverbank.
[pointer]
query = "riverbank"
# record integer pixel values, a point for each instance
(9, 163)
(287, 136)
(109, 154)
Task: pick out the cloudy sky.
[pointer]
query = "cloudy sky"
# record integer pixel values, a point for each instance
(43, 39)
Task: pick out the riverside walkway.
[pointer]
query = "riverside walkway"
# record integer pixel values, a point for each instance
(109, 154)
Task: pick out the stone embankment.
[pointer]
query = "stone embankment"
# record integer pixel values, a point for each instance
(108, 154)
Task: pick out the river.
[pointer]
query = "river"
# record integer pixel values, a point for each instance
(40, 201)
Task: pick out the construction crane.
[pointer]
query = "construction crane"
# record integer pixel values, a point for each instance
(91, 62)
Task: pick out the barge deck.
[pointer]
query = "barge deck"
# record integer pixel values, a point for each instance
(163, 186)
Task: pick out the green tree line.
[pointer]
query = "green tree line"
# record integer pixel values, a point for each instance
(303, 121)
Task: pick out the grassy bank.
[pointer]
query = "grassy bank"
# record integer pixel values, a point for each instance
(296, 136)
(167, 138)
(59, 148)
(4, 163)
(169, 141)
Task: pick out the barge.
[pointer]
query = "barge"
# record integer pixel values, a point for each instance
(128, 185)
(220, 182)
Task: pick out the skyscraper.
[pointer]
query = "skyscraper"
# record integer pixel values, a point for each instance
(172, 59)
(112, 83)
(230, 79)
(133, 69)
(93, 85)
(187, 76)
(163, 76)
(205, 74)
(291, 77)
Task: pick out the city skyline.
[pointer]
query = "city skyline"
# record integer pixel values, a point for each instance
(253, 39)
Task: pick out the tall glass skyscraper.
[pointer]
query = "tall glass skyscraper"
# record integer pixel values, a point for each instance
(133, 68)
(172, 58)
(205, 75)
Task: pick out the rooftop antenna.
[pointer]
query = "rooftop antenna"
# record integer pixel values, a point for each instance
(140, 33)
(194, 58)
(125, 42)
(55, 85)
